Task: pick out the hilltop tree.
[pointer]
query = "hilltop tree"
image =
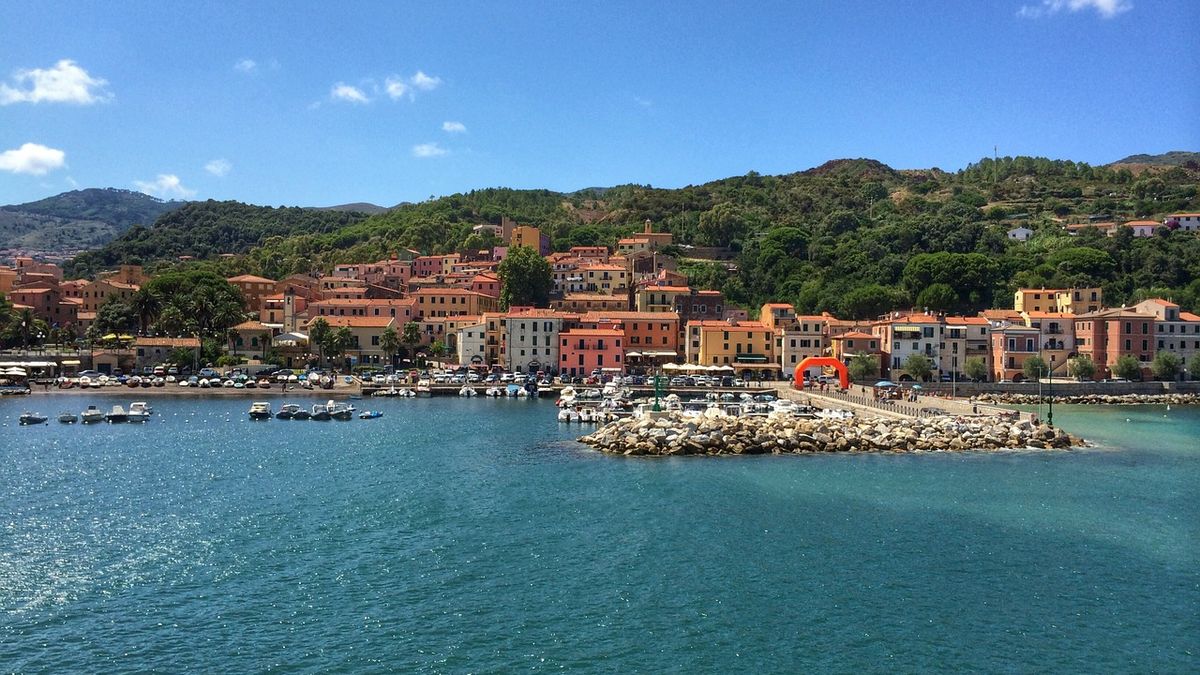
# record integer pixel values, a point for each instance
(526, 278)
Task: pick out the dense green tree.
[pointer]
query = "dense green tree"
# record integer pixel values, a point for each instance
(526, 279)
(1035, 368)
(389, 342)
(1166, 366)
(114, 316)
(196, 301)
(411, 336)
(938, 297)
(1081, 367)
(318, 336)
(863, 367)
(918, 366)
(976, 368)
(1127, 367)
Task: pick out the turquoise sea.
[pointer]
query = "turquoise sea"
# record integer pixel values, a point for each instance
(475, 536)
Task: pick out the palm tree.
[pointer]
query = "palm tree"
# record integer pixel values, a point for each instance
(147, 304)
(318, 334)
(411, 337)
(389, 342)
(25, 320)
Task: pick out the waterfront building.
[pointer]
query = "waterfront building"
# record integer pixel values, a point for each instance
(472, 344)
(1176, 331)
(964, 337)
(746, 346)
(437, 302)
(654, 332)
(530, 338)
(1056, 339)
(582, 351)
(797, 337)
(1012, 345)
(1109, 334)
(365, 332)
(250, 338)
(902, 335)
(845, 346)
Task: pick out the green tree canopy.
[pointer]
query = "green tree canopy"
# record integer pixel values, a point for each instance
(863, 367)
(1166, 366)
(1127, 367)
(1035, 368)
(976, 368)
(918, 366)
(1081, 367)
(526, 278)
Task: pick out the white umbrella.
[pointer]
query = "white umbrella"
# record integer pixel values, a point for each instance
(634, 354)
(672, 366)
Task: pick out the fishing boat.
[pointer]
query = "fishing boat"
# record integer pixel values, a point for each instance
(68, 417)
(287, 411)
(91, 415)
(260, 410)
(117, 415)
(370, 414)
(424, 388)
(137, 415)
(494, 392)
(320, 413)
(32, 418)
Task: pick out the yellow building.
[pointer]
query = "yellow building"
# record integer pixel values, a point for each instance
(1058, 300)
(659, 298)
(440, 302)
(746, 346)
(365, 332)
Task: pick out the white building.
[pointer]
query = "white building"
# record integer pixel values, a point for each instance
(1020, 233)
(530, 339)
(471, 343)
(1188, 222)
(1178, 332)
(901, 336)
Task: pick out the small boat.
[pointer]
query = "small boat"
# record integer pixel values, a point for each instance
(589, 415)
(68, 418)
(32, 418)
(424, 388)
(117, 415)
(287, 411)
(260, 410)
(467, 391)
(512, 390)
(137, 416)
(320, 413)
(340, 411)
(92, 415)
(494, 392)
(141, 407)
(370, 414)
(203, 383)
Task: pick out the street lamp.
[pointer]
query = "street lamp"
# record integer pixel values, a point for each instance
(1050, 414)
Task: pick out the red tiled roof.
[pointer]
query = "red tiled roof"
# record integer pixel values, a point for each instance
(854, 335)
(167, 342)
(355, 321)
(250, 278)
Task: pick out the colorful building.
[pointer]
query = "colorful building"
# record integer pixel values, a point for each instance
(583, 351)
(1109, 334)
(746, 346)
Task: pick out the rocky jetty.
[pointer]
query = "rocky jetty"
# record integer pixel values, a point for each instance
(1091, 399)
(710, 434)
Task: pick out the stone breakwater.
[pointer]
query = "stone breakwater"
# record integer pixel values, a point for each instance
(1091, 399)
(676, 434)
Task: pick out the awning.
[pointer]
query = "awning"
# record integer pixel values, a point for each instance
(71, 362)
(751, 358)
(636, 355)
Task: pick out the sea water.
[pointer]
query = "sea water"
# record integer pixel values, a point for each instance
(472, 535)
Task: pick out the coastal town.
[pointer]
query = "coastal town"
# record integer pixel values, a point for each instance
(610, 312)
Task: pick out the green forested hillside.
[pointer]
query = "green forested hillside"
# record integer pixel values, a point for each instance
(78, 219)
(854, 237)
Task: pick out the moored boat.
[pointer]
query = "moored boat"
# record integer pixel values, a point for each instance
(260, 410)
(117, 415)
(320, 413)
(28, 418)
(340, 411)
(68, 417)
(370, 415)
(424, 388)
(92, 415)
(141, 407)
(287, 411)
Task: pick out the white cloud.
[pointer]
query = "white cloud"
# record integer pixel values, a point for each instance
(424, 82)
(644, 102)
(427, 150)
(1105, 8)
(454, 127)
(66, 82)
(345, 92)
(33, 159)
(246, 66)
(395, 88)
(165, 186)
(218, 167)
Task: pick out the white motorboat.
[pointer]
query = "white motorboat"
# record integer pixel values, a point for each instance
(91, 415)
(137, 416)
(424, 388)
(117, 415)
(68, 417)
(467, 391)
(566, 397)
(568, 415)
(141, 407)
(260, 410)
(589, 415)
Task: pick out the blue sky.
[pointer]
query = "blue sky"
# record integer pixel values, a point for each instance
(326, 103)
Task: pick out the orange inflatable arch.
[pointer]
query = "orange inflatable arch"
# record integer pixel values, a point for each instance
(843, 374)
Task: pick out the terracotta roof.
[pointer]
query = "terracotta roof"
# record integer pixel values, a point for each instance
(778, 304)
(449, 291)
(1160, 301)
(619, 315)
(363, 302)
(967, 320)
(1136, 223)
(708, 292)
(604, 266)
(740, 325)
(167, 342)
(911, 318)
(594, 296)
(1184, 215)
(666, 289)
(616, 331)
(544, 312)
(1115, 313)
(355, 321)
(1188, 316)
(1050, 315)
(251, 325)
(250, 278)
(854, 334)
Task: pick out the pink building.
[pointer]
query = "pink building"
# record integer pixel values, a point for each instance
(583, 350)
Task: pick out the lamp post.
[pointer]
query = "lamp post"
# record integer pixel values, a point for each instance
(1050, 414)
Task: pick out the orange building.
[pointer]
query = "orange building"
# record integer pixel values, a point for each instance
(644, 331)
(254, 289)
(437, 302)
(583, 351)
